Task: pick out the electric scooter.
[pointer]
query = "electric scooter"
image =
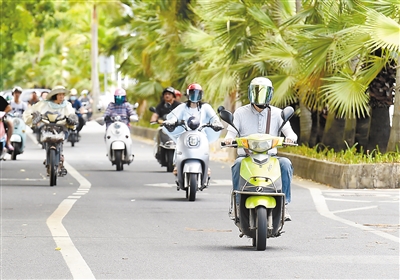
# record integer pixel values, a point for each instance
(118, 141)
(164, 146)
(18, 138)
(3, 136)
(192, 157)
(259, 205)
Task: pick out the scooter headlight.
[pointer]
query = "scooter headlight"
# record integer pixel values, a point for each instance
(193, 140)
(260, 146)
(117, 125)
(16, 122)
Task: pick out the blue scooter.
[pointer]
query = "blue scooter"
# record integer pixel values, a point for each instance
(18, 138)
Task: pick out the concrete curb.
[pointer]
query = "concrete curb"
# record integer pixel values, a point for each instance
(341, 176)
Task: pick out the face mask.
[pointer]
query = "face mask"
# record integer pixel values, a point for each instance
(73, 98)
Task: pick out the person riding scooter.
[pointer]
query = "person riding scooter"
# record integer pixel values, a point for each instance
(77, 105)
(194, 107)
(260, 117)
(16, 103)
(120, 107)
(167, 104)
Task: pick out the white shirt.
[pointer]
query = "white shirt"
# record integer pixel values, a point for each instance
(206, 114)
(249, 121)
(18, 107)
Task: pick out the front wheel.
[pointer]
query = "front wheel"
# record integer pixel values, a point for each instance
(192, 188)
(169, 159)
(53, 166)
(72, 138)
(15, 152)
(118, 160)
(261, 228)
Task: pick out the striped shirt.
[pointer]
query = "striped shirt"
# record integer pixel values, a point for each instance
(124, 111)
(249, 121)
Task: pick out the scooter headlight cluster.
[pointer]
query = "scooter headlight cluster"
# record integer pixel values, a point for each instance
(193, 140)
(16, 122)
(260, 146)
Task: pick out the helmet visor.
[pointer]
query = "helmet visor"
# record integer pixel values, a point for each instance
(260, 94)
(119, 99)
(195, 95)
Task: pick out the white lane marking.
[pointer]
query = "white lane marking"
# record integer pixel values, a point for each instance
(355, 209)
(74, 260)
(347, 200)
(323, 210)
(212, 183)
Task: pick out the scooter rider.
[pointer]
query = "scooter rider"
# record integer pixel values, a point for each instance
(120, 107)
(17, 105)
(77, 105)
(167, 104)
(54, 102)
(8, 125)
(254, 118)
(196, 108)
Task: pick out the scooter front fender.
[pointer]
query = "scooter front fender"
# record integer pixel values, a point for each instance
(257, 200)
(192, 166)
(118, 145)
(16, 138)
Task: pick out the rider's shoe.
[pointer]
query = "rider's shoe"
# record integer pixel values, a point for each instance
(287, 215)
(175, 171)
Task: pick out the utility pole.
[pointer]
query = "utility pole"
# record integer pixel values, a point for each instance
(94, 53)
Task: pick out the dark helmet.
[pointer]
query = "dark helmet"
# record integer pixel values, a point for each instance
(170, 90)
(194, 92)
(260, 91)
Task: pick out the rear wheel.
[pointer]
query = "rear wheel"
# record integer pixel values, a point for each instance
(17, 148)
(261, 228)
(169, 158)
(118, 160)
(72, 138)
(53, 164)
(192, 188)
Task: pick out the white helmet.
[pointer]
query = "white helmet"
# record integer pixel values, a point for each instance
(260, 91)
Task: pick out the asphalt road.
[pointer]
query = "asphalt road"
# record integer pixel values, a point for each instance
(98, 223)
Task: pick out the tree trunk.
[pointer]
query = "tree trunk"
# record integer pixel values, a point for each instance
(334, 132)
(394, 138)
(379, 130)
(94, 52)
(362, 133)
(305, 125)
(350, 131)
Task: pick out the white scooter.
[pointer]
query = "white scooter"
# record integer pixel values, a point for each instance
(192, 157)
(18, 138)
(118, 141)
(3, 136)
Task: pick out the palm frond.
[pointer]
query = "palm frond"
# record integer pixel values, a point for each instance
(346, 96)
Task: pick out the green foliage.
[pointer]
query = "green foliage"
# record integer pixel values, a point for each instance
(348, 156)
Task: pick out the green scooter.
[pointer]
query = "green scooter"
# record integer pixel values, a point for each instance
(261, 207)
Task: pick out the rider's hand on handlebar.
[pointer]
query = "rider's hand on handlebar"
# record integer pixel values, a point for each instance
(291, 141)
(36, 117)
(72, 119)
(228, 141)
(170, 126)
